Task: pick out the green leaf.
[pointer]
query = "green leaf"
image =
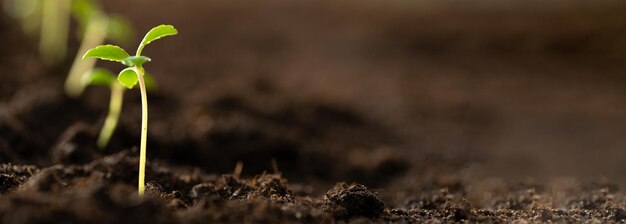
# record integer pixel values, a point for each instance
(98, 76)
(135, 60)
(107, 52)
(128, 78)
(155, 34)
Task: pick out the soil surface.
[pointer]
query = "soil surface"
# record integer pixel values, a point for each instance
(332, 112)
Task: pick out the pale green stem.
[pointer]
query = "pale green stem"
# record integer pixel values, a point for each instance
(115, 108)
(54, 28)
(144, 129)
(95, 33)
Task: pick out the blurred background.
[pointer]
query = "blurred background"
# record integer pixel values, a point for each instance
(520, 88)
(476, 89)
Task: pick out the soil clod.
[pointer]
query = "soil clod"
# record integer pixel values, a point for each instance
(353, 200)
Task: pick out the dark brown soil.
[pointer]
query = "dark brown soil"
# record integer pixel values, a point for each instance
(344, 112)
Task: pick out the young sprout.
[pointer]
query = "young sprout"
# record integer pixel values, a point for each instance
(95, 26)
(103, 77)
(130, 76)
(52, 17)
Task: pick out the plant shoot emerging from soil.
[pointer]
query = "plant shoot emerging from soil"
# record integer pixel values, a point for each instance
(130, 76)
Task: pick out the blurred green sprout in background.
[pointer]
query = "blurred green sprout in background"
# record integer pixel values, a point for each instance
(49, 20)
(94, 26)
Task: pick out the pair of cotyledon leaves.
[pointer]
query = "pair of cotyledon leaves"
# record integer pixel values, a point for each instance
(128, 77)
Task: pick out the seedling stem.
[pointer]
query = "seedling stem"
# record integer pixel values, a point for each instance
(95, 33)
(115, 108)
(144, 127)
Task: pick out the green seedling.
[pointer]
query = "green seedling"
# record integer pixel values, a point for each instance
(103, 77)
(50, 20)
(95, 26)
(130, 76)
